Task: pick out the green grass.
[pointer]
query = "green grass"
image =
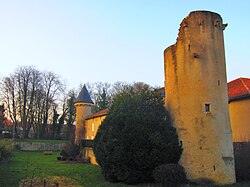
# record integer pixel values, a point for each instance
(24, 164)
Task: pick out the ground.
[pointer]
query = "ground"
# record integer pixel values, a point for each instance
(36, 165)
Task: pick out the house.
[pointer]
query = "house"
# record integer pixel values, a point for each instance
(239, 109)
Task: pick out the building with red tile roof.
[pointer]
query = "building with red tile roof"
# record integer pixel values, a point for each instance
(239, 109)
(100, 113)
(239, 89)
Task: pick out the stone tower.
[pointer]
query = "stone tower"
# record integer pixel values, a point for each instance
(196, 96)
(83, 105)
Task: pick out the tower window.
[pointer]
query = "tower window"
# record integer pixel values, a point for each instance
(196, 55)
(214, 168)
(218, 82)
(207, 108)
(181, 143)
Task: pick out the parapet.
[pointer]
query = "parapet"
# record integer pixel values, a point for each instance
(200, 21)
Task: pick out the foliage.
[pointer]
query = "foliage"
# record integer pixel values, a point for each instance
(103, 100)
(6, 150)
(71, 152)
(70, 115)
(87, 143)
(170, 175)
(135, 137)
(101, 94)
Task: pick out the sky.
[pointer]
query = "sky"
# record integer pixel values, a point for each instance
(110, 40)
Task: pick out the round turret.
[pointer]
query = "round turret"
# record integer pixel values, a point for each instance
(196, 96)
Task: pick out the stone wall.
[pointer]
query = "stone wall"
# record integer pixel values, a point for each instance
(196, 96)
(37, 146)
(242, 160)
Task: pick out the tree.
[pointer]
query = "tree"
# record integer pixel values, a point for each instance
(2, 117)
(52, 85)
(8, 96)
(103, 100)
(136, 136)
(70, 116)
(101, 93)
(27, 80)
(29, 96)
(54, 125)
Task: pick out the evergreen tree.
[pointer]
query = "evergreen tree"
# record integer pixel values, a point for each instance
(70, 115)
(103, 100)
(136, 136)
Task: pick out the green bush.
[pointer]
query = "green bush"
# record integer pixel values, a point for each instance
(71, 152)
(87, 143)
(135, 137)
(170, 175)
(6, 150)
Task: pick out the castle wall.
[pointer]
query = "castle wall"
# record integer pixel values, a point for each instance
(89, 155)
(239, 116)
(196, 96)
(91, 127)
(82, 111)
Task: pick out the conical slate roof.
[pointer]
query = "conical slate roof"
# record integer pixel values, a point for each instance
(84, 96)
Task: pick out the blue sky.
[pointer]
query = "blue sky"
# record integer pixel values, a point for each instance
(110, 40)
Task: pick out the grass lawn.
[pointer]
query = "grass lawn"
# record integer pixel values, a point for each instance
(27, 164)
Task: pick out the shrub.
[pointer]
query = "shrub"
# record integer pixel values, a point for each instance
(135, 137)
(71, 152)
(6, 150)
(170, 175)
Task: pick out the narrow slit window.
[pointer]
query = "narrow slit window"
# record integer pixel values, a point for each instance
(180, 143)
(214, 168)
(207, 108)
(218, 82)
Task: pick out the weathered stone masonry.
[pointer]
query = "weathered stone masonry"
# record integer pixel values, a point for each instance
(196, 95)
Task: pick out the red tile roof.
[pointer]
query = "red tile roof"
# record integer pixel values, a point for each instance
(98, 114)
(239, 87)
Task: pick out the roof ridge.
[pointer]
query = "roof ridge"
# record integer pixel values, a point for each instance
(244, 84)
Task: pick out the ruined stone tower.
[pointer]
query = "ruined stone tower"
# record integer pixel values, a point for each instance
(83, 105)
(196, 96)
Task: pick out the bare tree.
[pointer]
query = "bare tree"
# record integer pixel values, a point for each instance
(8, 96)
(52, 86)
(29, 96)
